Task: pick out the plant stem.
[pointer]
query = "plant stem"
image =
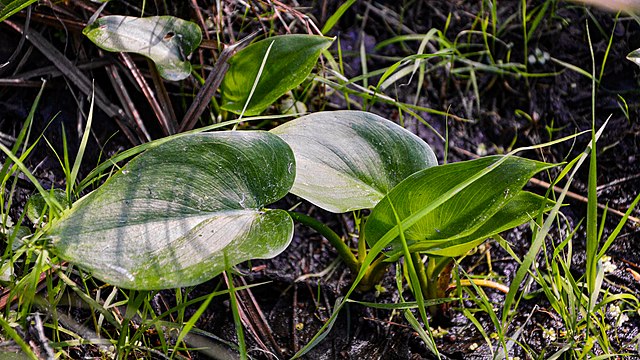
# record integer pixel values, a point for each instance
(374, 274)
(362, 248)
(422, 275)
(432, 279)
(343, 250)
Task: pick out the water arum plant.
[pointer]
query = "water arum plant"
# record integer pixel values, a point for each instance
(176, 214)
(349, 160)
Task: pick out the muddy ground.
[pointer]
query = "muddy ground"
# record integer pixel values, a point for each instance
(513, 110)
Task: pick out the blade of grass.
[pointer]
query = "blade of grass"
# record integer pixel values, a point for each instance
(331, 22)
(83, 146)
(618, 228)
(415, 286)
(256, 80)
(51, 201)
(23, 136)
(592, 209)
(542, 232)
(191, 323)
(242, 347)
(14, 335)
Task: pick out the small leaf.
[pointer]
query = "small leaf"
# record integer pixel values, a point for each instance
(290, 60)
(172, 215)
(491, 204)
(166, 40)
(349, 160)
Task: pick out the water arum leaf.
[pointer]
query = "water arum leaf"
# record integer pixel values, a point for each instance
(166, 40)
(491, 204)
(349, 160)
(520, 209)
(173, 216)
(289, 61)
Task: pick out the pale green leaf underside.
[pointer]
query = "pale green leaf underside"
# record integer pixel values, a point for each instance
(166, 40)
(464, 216)
(349, 160)
(290, 60)
(172, 215)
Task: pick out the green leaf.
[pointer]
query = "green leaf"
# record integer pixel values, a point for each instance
(523, 207)
(290, 60)
(8, 7)
(491, 204)
(166, 40)
(349, 160)
(171, 216)
(36, 205)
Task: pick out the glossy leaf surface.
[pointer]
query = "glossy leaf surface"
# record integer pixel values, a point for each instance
(288, 60)
(176, 214)
(491, 204)
(166, 40)
(349, 160)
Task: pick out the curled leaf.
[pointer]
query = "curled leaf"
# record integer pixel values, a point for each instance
(166, 40)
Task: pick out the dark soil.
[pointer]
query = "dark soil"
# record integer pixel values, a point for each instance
(513, 110)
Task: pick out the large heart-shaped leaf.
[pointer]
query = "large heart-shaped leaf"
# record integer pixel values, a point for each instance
(492, 203)
(285, 62)
(182, 212)
(349, 160)
(166, 40)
